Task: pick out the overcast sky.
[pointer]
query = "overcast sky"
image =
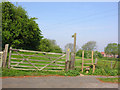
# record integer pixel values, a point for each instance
(92, 21)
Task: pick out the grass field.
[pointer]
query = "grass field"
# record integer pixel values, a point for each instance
(103, 67)
(113, 80)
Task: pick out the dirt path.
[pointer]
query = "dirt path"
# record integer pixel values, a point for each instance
(56, 82)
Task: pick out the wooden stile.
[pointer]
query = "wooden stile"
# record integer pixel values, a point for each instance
(87, 63)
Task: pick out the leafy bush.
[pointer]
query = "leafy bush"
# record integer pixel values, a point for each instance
(72, 73)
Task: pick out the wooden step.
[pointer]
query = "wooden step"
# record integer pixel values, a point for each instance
(86, 66)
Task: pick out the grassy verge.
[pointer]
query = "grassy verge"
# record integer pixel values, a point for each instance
(112, 80)
(13, 72)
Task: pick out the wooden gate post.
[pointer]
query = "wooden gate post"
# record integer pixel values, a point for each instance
(72, 61)
(5, 55)
(67, 60)
(9, 61)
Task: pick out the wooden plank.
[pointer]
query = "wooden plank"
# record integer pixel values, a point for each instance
(35, 69)
(54, 67)
(36, 51)
(39, 67)
(52, 62)
(5, 55)
(22, 69)
(87, 59)
(78, 59)
(60, 61)
(9, 61)
(53, 70)
(38, 63)
(31, 60)
(20, 66)
(34, 55)
(86, 66)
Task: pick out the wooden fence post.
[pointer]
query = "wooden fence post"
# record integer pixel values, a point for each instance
(93, 68)
(96, 60)
(93, 63)
(9, 61)
(67, 60)
(92, 57)
(5, 55)
(82, 59)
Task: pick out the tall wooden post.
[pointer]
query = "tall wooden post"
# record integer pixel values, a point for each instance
(74, 52)
(82, 60)
(5, 55)
(67, 59)
(74, 43)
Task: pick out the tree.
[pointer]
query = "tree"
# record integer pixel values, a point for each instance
(91, 45)
(111, 49)
(48, 45)
(0, 26)
(18, 30)
(70, 46)
(87, 54)
(97, 54)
